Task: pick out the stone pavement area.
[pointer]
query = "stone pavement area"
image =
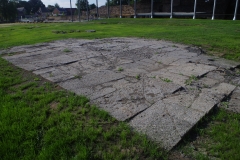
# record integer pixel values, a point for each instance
(161, 89)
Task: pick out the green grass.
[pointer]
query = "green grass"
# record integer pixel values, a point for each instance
(39, 120)
(137, 77)
(166, 80)
(218, 37)
(66, 50)
(217, 135)
(190, 80)
(120, 69)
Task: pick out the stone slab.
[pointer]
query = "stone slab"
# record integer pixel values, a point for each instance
(211, 97)
(156, 89)
(190, 69)
(234, 103)
(164, 74)
(157, 124)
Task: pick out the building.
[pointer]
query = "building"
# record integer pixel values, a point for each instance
(63, 11)
(21, 12)
(43, 12)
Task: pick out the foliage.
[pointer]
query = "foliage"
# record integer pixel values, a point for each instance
(56, 5)
(83, 5)
(35, 5)
(50, 8)
(92, 6)
(8, 10)
(26, 5)
(117, 2)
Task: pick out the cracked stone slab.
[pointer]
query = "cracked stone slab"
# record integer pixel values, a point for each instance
(211, 97)
(206, 82)
(234, 103)
(190, 69)
(49, 62)
(157, 124)
(175, 78)
(173, 56)
(125, 102)
(156, 89)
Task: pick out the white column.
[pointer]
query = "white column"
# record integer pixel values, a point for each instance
(214, 6)
(235, 13)
(108, 7)
(79, 14)
(171, 9)
(135, 6)
(120, 8)
(97, 8)
(151, 8)
(194, 14)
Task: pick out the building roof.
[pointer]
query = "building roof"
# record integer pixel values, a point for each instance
(43, 10)
(21, 9)
(61, 9)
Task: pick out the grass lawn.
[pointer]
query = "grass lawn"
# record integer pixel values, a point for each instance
(218, 37)
(39, 120)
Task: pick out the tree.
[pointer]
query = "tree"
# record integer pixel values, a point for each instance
(8, 10)
(83, 5)
(117, 2)
(56, 5)
(50, 8)
(26, 5)
(92, 6)
(35, 5)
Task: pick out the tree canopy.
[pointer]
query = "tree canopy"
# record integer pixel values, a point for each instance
(8, 10)
(56, 5)
(83, 5)
(35, 5)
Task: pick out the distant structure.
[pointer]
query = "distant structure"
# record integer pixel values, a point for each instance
(43, 12)
(222, 9)
(63, 11)
(21, 12)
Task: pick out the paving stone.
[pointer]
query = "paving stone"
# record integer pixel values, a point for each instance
(101, 93)
(217, 75)
(156, 89)
(157, 124)
(207, 82)
(125, 102)
(49, 62)
(181, 113)
(124, 111)
(190, 69)
(218, 62)
(164, 74)
(211, 97)
(236, 80)
(184, 100)
(132, 69)
(234, 103)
